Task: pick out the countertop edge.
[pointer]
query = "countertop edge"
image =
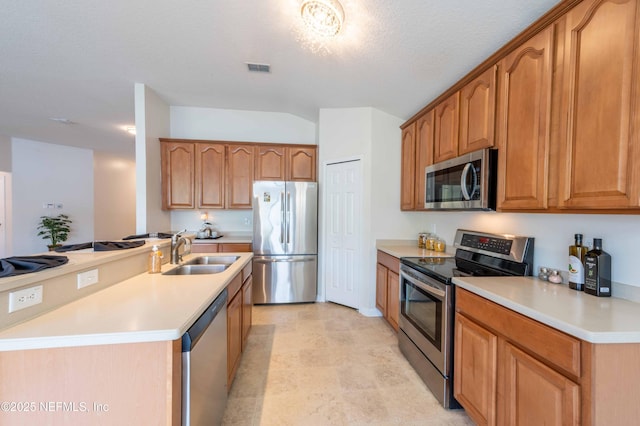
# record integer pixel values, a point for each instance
(605, 337)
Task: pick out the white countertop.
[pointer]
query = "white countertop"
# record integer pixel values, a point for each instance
(145, 308)
(590, 318)
(226, 238)
(402, 248)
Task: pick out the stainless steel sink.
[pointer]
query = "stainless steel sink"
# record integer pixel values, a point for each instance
(213, 260)
(198, 269)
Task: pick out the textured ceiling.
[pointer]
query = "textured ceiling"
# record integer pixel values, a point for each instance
(79, 59)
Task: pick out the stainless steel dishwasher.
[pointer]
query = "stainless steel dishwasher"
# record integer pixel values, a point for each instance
(204, 366)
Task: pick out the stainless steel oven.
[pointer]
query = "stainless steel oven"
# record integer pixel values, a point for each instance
(427, 300)
(467, 182)
(426, 321)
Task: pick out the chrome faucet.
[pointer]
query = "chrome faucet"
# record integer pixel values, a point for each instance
(177, 241)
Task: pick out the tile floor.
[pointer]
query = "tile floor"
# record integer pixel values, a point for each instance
(325, 364)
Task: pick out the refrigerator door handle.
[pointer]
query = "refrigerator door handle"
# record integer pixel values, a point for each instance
(289, 218)
(282, 217)
(284, 259)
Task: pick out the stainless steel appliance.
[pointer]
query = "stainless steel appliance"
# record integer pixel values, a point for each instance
(285, 241)
(204, 366)
(467, 182)
(427, 300)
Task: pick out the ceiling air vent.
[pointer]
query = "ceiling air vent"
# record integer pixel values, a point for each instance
(259, 67)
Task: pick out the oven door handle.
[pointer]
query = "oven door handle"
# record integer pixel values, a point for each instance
(424, 286)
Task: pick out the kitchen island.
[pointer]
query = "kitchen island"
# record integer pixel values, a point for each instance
(112, 357)
(528, 349)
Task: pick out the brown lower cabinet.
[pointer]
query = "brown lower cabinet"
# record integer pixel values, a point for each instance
(512, 370)
(220, 247)
(388, 288)
(239, 307)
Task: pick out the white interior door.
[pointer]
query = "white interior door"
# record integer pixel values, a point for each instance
(343, 253)
(3, 216)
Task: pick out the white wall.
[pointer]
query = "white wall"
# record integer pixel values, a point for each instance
(553, 234)
(152, 122)
(371, 135)
(239, 126)
(5, 153)
(44, 173)
(115, 196)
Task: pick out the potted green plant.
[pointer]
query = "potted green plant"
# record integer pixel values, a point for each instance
(54, 228)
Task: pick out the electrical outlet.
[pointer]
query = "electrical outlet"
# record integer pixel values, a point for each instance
(87, 278)
(24, 298)
(247, 221)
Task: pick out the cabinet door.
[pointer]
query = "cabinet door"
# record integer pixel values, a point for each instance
(271, 162)
(239, 176)
(301, 164)
(599, 163)
(524, 115)
(210, 175)
(178, 174)
(475, 366)
(234, 335)
(477, 112)
(381, 289)
(446, 129)
(408, 171)
(393, 299)
(534, 394)
(424, 155)
(235, 247)
(204, 248)
(247, 305)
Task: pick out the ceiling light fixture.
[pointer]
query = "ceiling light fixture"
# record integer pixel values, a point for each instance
(324, 17)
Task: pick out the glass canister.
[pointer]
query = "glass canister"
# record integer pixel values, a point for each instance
(422, 239)
(440, 245)
(431, 242)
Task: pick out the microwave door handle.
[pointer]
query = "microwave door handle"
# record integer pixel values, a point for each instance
(463, 182)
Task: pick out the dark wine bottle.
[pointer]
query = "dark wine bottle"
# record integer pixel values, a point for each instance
(597, 280)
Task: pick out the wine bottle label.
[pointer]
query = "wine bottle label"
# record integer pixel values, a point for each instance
(592, 273)
(576, 270)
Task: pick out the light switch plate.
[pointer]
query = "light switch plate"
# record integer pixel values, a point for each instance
(87, 278)
(24, 298)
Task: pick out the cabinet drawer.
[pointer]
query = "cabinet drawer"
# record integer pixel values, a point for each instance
(392, 263)
(246, 271)
(234, 286)
(235, 247)
(204, 248)
(550, 345)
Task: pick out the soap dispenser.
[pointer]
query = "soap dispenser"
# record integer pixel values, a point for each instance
(154, 265)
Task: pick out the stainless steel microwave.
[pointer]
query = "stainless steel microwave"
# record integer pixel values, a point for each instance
(467, 182)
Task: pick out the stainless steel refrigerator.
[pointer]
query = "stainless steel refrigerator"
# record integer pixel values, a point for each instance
(285, 242)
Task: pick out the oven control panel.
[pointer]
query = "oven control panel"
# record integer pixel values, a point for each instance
(486, 243)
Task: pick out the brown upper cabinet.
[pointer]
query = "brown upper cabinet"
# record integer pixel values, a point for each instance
(220, 175)
(560, 102)
(239, 176)
(424, 155)
(446, 129)
(477, 112)
(210, 176)
(599, 153)
(524, 124)
(408, 168)
(292, 163)
(178, 175)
